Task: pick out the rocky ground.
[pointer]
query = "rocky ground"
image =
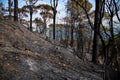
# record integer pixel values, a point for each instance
(26, 55)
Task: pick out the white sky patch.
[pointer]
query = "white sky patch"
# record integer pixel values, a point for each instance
(115, 17)
(61, 12)
(93, 4)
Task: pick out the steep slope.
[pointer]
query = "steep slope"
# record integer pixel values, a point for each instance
(27, 56)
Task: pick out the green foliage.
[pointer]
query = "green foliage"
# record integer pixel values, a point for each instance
(57, 25)
(23, 11)
(76, 9)
(26, 9)
(106, 28)
(44, 7)
(46, 15)
(106, 15)
(82, 3)
(38, 21)
(45, 11)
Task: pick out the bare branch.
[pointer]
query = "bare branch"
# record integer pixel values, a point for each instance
(84, 8)
(116, 10)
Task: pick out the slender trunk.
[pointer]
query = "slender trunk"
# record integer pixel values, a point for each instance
(96, 30)
(71, 43)
(44, 30)
(31, 13)
(37, 28)
(45, 25)
(114, 49)
(89, 44)
(61, 34)
(9, 8)
(54, 4)
(95, 45)
(67, 36)
(15, 10)
(82, 45)
(78, 41)
(54, 19)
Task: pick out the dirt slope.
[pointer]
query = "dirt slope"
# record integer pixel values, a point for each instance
(27, 56)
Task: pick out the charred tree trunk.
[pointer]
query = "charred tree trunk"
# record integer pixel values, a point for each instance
(31, 13)
(44, 30)
(80, 43)
(71, 41)
(54, 19)
(9, 8)
(15, 10)
(96, 30)
(113, 44)
(67, 35)
(54, 4)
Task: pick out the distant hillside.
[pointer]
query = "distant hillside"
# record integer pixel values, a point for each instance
(26, 55)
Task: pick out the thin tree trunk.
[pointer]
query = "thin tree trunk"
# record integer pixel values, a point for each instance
(61, 34)
(54, 19)
(15, 10)
(72, 31)
(9, 8)
(71, 43)
(45, 25)
(31, 13)
(96, 30)
(54, 4)
(114, 49)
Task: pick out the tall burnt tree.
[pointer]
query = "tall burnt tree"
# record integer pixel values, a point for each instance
(97, 22)
(54, 4)
(15, 10)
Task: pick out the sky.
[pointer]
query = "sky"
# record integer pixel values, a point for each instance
(61, 6)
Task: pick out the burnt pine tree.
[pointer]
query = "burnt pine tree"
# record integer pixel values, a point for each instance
(15, 10)
(54, 4)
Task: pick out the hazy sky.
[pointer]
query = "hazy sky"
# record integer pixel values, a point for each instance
(61, 5)
(60, 8)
